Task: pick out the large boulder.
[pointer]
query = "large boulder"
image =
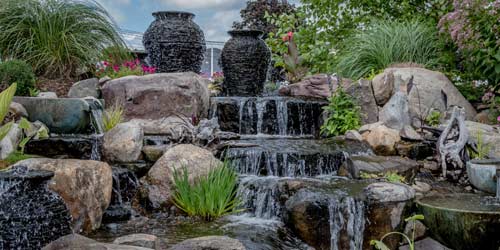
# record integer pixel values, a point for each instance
(490, 136)
(396, 112)
(158, 183)
(426, 92)
(362, 93)
(373, 164)
(175, 128)
(79, 242)
(315, 86)
(85, 187)
(123, 143)
(383, 88)
(157, 96)
(382, 139)
(210, 242)
(85, 88)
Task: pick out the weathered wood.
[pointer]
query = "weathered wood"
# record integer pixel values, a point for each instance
(451, 143)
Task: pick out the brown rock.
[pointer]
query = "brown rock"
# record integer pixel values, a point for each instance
(382, 139)
(157, 96)
(316, 86)
(85, 186)
(383, 87)
(123, 143)
(362, 93)
(157, 188)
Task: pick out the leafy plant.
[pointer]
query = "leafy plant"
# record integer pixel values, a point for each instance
(5, 99)
(58, 38)
(388, 42)
(30, 132)
(112, 117)
(434, 118)
(394, 177)
(34, 92)
(209, 197)
(481, 149)
(343, 114)
(19, 72)
(127, 68)
(411, 242)
(17, 156)
(293, 63)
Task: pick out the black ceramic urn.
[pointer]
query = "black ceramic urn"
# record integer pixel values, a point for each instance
(244, 61)
(174, 43)
(31, 215)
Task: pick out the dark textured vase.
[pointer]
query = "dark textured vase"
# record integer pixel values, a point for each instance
(245, 61)
(174, 43)
(31, 215)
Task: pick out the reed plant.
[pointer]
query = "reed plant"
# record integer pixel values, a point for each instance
(384, 43)
(58, 38)
(208, 197)
(112, 117)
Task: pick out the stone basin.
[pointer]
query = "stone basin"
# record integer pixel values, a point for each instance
(482, 174)
(462, 221)
(60, 115)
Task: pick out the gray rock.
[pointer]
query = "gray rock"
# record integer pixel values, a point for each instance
(154, 152)
(207, 129)
(353, 135)
(373, 164)
(395, 114)
(78, 242)
(88, 87)
(175, 128)
(47, 95)
(104, 80)
(85, 187)
(383, 87)
(362, 93)
(158, 183)
(10, 142)
(210, 243)
(389, 192)
(123, 143)
(489, 134)
(408, 132)
(427, 91)
(139, 240)
(426, 244)
(156, 96)
(421, 187)
(18, 110)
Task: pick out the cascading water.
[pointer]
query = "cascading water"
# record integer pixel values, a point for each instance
(268, 116)
(346, 216)
(125, 185)
(260, 196)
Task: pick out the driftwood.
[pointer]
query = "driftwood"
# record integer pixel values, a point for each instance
(451, 144)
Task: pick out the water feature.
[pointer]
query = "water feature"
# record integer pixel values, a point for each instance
(30, 214)
(125, 185)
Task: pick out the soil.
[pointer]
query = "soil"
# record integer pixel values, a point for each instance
(60, 86)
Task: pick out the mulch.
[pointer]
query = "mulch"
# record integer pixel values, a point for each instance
(59, 86)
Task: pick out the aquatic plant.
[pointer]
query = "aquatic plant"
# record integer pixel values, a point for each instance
(434, 118)
(19, 72)
(343, 114)
(112, 117)
(379, 244)
(388, 42)
(208, 197)
(57, 38)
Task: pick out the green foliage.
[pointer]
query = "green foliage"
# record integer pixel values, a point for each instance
(17, 71)
(470, 91)
(112, 117)
(253, 16)
(320, 26)
(208, 197)
(481, 150)
(5, 100)
(30, 132)
(394, 177)
(58, 38)
(388, 42)
(116, 55)
(17, 156)
(434, 118)
(343, 114)
(34, 92)
(411, 242)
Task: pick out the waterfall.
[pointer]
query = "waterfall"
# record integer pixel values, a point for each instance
(260, 196)
(125, 185)
(346, 217)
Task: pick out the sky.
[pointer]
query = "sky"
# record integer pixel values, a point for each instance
(215, 17)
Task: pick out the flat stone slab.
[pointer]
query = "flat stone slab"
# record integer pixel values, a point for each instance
(373, 164)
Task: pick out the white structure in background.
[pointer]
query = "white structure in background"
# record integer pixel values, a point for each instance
(133, 40)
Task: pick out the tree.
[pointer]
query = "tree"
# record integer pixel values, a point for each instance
(253, 15)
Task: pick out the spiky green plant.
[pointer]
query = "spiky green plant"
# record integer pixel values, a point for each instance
(5, 100)
(112, 117)
(208, 197)
(57, 37)
(388, 42)
(482, 149)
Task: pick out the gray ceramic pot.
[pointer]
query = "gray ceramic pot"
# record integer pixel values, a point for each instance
(482, 174)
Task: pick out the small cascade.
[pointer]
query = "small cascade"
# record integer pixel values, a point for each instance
(96, 115)
(347, 219)
(261, 196)
(125, 184)
(271, 116)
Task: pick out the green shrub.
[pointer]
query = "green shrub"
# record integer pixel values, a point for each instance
(343, 114)
(388, 42)
(112, 117)
(434, 118)
(209, 197)
(20, 72)
(58, 38)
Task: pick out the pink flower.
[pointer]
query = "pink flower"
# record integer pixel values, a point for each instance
(105, 63)
(498, 118)
(116, 68)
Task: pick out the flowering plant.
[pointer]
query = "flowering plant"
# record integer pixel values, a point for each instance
(293, 62)
(131, 67)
